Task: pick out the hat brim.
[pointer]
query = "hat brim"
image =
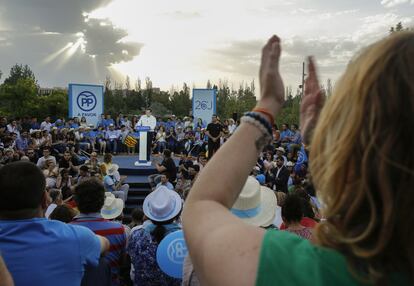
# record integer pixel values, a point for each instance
(267, 211)
(173, 214)
(115, 212)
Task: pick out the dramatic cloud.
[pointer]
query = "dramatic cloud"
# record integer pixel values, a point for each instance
(63, 38)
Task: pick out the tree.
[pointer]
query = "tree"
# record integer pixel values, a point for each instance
(20, 98)
(20, 72)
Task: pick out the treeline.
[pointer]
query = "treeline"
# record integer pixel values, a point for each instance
(20, 97)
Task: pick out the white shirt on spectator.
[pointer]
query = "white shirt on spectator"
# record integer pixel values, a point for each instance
(42, 161)
(149, 121)
(46, 126)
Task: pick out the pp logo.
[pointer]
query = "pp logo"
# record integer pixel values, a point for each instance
(177, 251)
(86, 101)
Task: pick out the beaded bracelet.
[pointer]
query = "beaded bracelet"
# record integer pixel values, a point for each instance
(259, 117)
(265, 112)
(258, 124)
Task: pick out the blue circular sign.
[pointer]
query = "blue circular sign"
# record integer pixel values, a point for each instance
(86, 100)
(171, 253)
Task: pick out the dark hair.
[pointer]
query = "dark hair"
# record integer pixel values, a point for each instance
(159, 231)
(54, 194)
(280, 158)
(63, 213)
(306, 204)
(137, 215)
(22, 187)
(292, 209)
(107, 157)
(90, 196)
(84, 168)
(47, 148)
(167, 153)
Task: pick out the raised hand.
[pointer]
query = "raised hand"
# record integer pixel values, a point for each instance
(312, 103)
(271, 83)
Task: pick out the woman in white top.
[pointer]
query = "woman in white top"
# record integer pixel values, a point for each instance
(160, 139)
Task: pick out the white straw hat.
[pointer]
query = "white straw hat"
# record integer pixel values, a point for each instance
(112, 207)
(256, 205)
(113, 169)
(162, 204)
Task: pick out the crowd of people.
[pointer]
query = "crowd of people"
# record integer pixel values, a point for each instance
(245, 198)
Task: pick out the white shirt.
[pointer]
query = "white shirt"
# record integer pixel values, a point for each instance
(50, 209)
(149, 121)
(46, 126)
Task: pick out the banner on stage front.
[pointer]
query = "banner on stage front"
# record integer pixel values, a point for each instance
(86, 100)
(204, 104)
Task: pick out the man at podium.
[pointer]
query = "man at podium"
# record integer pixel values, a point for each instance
(148, 120)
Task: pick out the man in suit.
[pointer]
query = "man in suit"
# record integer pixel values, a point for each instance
(279, 175)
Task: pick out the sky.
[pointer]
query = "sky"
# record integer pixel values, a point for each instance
(176, 41)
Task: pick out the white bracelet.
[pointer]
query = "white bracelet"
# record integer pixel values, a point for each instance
(258, 125)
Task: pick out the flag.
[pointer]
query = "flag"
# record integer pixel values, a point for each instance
(302, 157)
(130, 141)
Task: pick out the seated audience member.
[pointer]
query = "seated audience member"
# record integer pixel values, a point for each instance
(56, 200)
(69, 163)
(137, 219)
(64, 180)
(63, 213)
(31, 154)
(114, 184)
(367, 237)
(51, 173)
(41, 163)
(90, 198)
(93, 165)
(107, 163)
(167, 168)
(162, 180)
(292, 214)
(83, 174)
(30, 244)
(162, 207)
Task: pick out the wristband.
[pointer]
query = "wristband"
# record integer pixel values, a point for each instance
(265, 112)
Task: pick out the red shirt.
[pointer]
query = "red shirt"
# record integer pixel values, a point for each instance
(305, 221)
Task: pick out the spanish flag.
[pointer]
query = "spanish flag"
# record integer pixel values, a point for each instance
(130, 141)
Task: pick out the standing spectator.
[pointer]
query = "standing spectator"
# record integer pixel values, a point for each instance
(46, 125)
(39, 251)
(162, 207)
(214, 133)
(279, 176)
(90, 198)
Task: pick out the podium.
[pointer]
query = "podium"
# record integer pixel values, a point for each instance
(143, 154)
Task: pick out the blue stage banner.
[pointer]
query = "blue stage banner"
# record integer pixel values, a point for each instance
(204, 104)
(86, 100)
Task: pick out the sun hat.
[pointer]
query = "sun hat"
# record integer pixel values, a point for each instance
(162, 204)
(113, 169)
(112, 207)
(281, 149)
(290, 164)
(256, 205)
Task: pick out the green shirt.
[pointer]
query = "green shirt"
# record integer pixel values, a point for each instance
(287, 259)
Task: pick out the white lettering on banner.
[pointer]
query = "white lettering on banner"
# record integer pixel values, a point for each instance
(86, 101)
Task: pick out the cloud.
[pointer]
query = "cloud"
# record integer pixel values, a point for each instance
(63, 38)
(393, 3)
(183, 15)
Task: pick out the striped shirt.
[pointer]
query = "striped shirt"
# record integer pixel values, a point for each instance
(114, 232)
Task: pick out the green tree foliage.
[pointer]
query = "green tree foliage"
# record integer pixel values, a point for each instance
(20, 72)
(18, 99)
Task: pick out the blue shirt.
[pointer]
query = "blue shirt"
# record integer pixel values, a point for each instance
(285, 133)
(46, 252)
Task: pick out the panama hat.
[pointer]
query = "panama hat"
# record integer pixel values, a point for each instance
(256, 205)
(162, 204)
(112, 170)
(112, 207)
(281, 149)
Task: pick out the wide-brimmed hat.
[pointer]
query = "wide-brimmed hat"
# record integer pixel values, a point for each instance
(290, 164)
(281, 149)
(162, 204)
(112, 207)
(256, 205)
(113, 169)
